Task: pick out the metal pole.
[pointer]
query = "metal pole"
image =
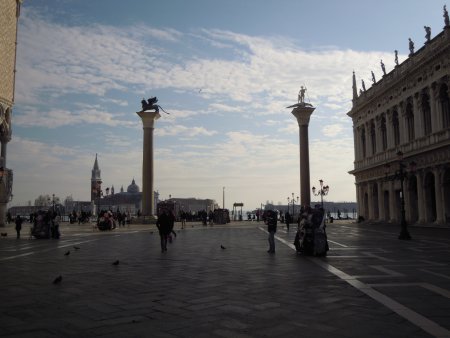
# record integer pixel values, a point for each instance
(223, 198)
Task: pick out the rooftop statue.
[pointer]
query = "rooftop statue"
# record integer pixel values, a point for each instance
(383, 68)
(446, 19)
(411, 47)
(427, 33)
(301, 95)
(150, 104)
(396, 57)
(363, 85)
(373, 78)
(301, 99)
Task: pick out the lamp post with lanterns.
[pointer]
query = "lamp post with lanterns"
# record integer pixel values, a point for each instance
(323, 191)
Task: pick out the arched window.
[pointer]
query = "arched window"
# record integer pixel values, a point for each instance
(383, 133)
(410, 121)
(445, 105)
(396, 127)
(426, 111)
(373, 138)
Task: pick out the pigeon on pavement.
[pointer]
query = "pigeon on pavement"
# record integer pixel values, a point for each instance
(57, 280)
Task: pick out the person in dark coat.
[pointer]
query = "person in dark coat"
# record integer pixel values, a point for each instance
(18, 225)
(272, 229)
(164, 227)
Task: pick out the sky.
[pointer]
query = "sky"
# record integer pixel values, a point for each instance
(225, 71)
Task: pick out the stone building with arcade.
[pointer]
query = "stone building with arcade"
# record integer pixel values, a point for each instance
(401, 128)
(9, 16)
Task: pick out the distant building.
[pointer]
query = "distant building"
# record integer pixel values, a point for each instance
(193, 205)
(406, 112)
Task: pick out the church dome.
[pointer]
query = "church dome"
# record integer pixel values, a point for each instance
(133, 188)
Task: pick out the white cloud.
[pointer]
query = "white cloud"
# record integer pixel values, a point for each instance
(332, 130)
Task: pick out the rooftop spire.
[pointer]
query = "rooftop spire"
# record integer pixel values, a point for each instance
(96, 170)
(355, 91)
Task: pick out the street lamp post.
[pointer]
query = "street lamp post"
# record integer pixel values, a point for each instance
(321, 192)
(401, 174)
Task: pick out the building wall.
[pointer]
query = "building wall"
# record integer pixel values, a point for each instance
(408, 110)
(8, 28)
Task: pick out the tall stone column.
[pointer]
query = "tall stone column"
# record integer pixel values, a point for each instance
(148, 121)
(302, 113)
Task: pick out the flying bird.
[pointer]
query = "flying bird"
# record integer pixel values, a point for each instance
(67, 253)
(116, 263)
(57, 280)
(222, 247)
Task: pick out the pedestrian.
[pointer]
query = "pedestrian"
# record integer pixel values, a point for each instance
(18, 225)
(272, 229)
(163, 225)
(183, 220)
(287, 219)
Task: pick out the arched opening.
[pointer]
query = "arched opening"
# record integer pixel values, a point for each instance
(445, 105)
(430, 197)
(446, 190)
(413, 204)
(410, 121)
(426, 113)
(387, 212)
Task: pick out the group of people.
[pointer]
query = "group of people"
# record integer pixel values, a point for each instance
(310, 238)
(165, 224)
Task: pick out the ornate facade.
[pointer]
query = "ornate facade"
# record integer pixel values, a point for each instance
(406, 113)
(9, 16)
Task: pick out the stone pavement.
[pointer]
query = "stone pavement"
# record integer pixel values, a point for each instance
(370, 285)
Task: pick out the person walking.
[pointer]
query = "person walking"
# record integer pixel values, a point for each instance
(272, 229)
(287, 219)
(18, 225)
(163, 225)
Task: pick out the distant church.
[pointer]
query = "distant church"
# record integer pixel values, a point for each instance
(108, 199)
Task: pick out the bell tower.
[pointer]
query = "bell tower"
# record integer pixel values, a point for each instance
(96, 181)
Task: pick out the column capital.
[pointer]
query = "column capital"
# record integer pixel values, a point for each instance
(303, 114)
(148, 118)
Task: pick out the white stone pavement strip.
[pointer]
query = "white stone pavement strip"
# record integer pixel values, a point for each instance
(46, 249)
(415, 318)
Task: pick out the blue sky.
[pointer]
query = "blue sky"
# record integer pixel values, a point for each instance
(225, 70)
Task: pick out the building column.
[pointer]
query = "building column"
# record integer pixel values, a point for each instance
(420, 198)
(439, 117)
(356, 142)
(389, 130)
(418, 116)
(370, 200)
(402, 124)
(378, 135)
(433, 108)
(381, 211)
(358, 199)
(148, 121)
(368, 141)
(438, 187)
(302, 113)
